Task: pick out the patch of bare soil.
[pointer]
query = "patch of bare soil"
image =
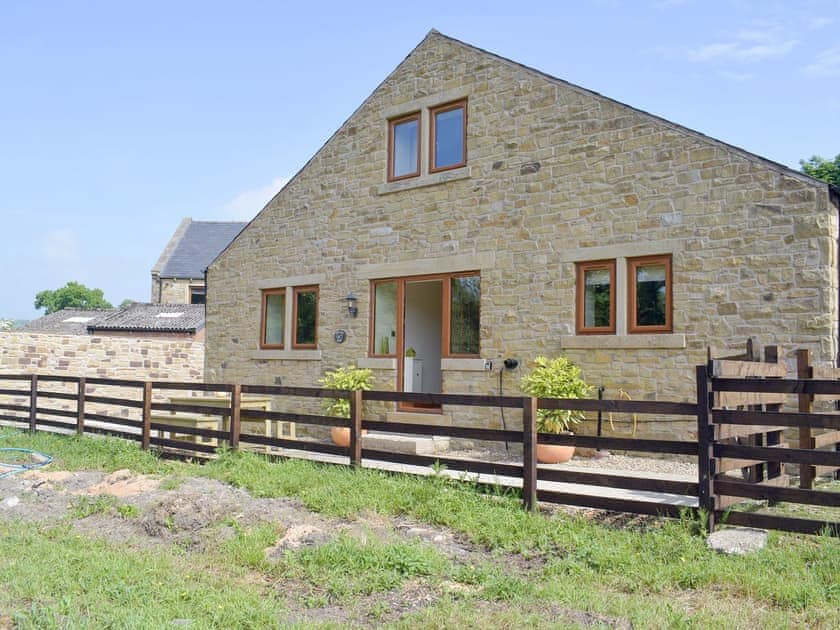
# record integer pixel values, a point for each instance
(197, 514)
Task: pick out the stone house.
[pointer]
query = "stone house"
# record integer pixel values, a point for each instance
(474, 209)
(178, 275)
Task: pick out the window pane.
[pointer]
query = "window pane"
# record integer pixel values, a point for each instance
(275, 311)
(596, 308)
(405, 148)
(307, 312)
(465, 318)
(449, 137)
(197, 296)
(650, 295)
(385, 318)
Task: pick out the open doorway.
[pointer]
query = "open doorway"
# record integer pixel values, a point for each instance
(423, 331)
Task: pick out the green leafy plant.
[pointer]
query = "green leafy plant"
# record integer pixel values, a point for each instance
(410, 352)
(555, 378)
(351, 379)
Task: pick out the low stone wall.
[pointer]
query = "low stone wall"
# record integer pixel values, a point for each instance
(106, 357)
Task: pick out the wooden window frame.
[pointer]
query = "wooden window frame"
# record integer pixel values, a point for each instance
(446, 312)
(372, 351)
(391, 139)
(200, 289)
(433, 112)
(580, 297)
(632, 265)
(295, 292)
(447, 321)
(265, 294)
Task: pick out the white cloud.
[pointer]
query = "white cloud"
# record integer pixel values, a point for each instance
(820, 22)
(746, 46)
(737, 77)
(248, 203)
(827, 64)
(60, 247)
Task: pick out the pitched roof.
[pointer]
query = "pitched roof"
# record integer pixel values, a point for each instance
(194, 246)
(68, 321)
(139, 317)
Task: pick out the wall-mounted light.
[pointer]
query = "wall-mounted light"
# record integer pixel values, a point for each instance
(351, 304)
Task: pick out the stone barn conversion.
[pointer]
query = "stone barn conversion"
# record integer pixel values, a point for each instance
(473, 209)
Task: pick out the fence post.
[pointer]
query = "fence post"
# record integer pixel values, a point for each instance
(80, 407)
(146, 431)
(706, 498)
(803, 371)
(356, 428)
(529, 453)
(33, 402)
(235, 408)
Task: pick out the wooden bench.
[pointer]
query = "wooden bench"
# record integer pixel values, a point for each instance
(191, 421)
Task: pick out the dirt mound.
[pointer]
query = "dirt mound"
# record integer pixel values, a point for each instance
(122, 483)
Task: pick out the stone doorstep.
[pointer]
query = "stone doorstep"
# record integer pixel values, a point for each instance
(414, 417)
(408, 444)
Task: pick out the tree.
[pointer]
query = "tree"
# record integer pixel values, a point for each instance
(74, 295)
(6, 325)
(826, 170)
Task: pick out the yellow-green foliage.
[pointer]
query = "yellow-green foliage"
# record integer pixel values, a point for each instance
(351, 379)
(555, 378)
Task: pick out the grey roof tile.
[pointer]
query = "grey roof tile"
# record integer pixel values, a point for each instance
(201, 242)
(139, 317)
(68, 321)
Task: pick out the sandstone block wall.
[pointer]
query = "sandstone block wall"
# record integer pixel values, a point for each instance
(554, 175)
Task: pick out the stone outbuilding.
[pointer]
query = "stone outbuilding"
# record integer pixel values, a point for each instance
(178, 275)
(473, 209)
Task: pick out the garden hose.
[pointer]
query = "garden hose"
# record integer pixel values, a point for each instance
(625, 396)
(22, 459)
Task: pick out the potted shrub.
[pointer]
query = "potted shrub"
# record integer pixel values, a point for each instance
(555, 378)
(350, 378)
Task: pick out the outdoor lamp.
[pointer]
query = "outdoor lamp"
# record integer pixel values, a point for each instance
(351, 305)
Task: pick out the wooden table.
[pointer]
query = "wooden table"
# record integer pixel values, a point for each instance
(250, 426)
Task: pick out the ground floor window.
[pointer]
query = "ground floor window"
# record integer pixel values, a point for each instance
(297, 316)
(643, 295)
(445, 307)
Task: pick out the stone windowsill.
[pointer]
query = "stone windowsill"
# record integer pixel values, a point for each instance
(377, 363)
(615, 342)
(462, 365)
(288, 355)
(424, 180)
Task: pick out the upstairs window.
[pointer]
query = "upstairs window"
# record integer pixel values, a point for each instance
(198, 295)
(404, 147)
(448, 136)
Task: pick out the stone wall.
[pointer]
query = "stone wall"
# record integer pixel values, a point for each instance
(173, 290)
(555, 175)
(104, 357)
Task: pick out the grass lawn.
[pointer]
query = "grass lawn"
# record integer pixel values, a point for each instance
(548, 569)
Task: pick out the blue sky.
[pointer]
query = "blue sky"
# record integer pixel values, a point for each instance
(117, 119)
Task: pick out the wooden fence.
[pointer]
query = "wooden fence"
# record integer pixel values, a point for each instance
(130, 414)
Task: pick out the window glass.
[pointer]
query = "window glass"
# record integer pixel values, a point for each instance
(651, 294)
(449, 138)
(465, 320)
(597, 308)
(274, 318)
(405, 149)
(385, 318)
(306, 317)
(197, 295)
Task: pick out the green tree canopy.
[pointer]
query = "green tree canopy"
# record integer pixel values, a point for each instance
(826, 170)
(73, 294)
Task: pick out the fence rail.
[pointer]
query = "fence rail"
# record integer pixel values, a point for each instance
(226, 418)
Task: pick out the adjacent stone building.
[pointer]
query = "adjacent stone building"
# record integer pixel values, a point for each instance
(178, 275)
(473, 209)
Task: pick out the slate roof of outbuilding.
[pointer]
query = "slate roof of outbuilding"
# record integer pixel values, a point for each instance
(199, 245)
(140, 317)
(57, 324)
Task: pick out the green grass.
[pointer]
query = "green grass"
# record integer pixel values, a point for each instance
(660, 575)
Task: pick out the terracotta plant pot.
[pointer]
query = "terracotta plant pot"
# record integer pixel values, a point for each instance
(554, 453)
(341, 436)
